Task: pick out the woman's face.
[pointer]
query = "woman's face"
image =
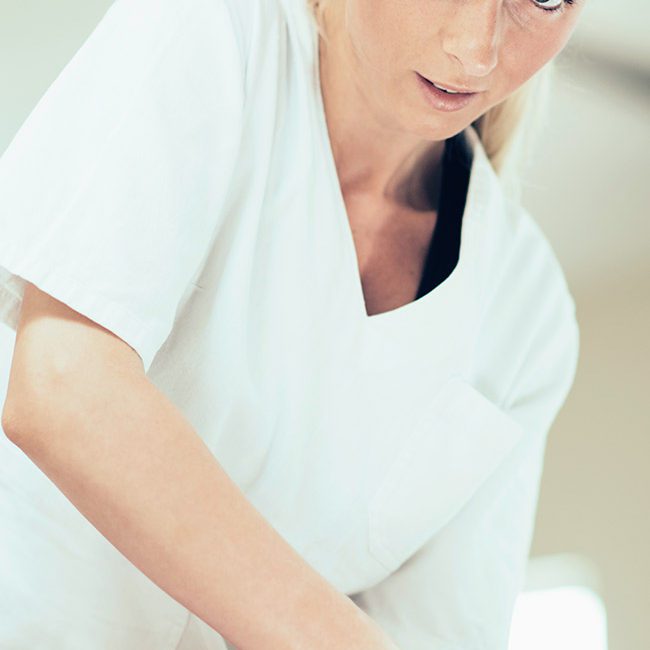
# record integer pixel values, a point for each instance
(489, 46)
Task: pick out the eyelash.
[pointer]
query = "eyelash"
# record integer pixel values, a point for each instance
(558, 8)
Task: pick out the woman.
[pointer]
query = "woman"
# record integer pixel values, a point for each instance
(286, 356)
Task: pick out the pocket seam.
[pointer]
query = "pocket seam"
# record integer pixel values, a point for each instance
(386, 495)
(377, 545)
(396, 469)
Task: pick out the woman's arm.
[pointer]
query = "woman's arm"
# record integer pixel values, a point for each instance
(80, 406)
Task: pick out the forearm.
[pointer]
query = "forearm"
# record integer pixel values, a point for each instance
(133, 466)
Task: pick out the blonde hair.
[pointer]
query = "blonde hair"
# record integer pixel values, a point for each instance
(507, 131)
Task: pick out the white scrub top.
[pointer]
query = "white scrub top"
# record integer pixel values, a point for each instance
(176, 185)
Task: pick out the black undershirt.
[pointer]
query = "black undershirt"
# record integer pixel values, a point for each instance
(444, 247)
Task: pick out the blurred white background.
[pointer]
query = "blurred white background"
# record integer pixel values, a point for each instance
(589, 188)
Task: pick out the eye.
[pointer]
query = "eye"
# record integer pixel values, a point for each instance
(549, 5)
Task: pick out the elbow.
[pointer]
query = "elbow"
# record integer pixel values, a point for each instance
(18, 418)
(29, 409)
(12, 421)
(8, 422)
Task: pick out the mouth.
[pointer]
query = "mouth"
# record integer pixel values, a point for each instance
(444, 98)
(450, 88)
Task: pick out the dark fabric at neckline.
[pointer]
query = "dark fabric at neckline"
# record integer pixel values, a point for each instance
(444, 248)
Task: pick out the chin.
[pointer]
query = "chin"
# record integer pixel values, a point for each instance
(444, 127)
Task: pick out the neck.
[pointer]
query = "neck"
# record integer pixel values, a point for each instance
(373, 156)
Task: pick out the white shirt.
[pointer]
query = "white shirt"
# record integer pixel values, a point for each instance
(176, 185)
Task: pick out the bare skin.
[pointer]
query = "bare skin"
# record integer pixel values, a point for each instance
(391, 252)
(80, 406)
(384, 136)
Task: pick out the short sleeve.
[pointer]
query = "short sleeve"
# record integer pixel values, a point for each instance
(114, 186)
(458, 590)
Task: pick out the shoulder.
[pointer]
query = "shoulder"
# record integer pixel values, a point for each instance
(540, 312)
(170, 20)
(138, 38)
(529, 334)
(534, 267)
(519, 265)
(550, 344)
(256, 19)
(531, 261)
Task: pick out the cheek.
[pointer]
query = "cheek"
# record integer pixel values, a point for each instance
(374, 28)
(525, 52)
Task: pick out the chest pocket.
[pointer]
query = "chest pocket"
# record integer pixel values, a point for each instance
(456, 444)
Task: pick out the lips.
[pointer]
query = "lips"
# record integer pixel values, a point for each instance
(451, 89)
(442, 100)
(447, 89)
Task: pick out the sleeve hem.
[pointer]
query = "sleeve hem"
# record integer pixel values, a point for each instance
(114, 317)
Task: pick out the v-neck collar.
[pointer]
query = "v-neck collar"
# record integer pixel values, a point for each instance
(452, 286)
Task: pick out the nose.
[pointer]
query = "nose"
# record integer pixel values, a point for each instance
(472, 35)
